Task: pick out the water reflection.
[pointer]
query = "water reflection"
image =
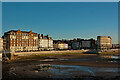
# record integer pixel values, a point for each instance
(74, 70)
(112, 57)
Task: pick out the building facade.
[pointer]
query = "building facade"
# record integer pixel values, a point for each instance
(58, 45)
(17, 40)
(1, 44)
(88, 44)
(115, 46)
(45, 42)
(83, 44)
(104, 42)
(76, 45)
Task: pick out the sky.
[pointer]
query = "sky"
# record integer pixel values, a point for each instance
(62, 20)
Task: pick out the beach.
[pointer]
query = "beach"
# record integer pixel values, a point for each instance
(63, 66)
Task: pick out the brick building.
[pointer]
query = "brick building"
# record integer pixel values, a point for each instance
(17, 40)
(1, 44)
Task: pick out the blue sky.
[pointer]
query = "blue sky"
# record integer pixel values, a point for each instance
(66, 20)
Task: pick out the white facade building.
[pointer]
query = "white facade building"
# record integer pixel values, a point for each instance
(60, 46)
(45, 42)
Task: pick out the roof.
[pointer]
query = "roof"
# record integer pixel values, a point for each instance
(44, 37)
(19, 30)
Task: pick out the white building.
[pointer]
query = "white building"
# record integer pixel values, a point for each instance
(45, 42)
(60, 45)
(1, 44)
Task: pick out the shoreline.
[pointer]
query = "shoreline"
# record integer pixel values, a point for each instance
(24, 66)
(37, 54)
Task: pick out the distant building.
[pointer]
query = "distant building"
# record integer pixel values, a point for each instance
(88, 44)
(17, 40)
(58, 44)
(1, 44)
(45, 42)
(69, 42)
(115, 45)
(83, 44)
(76, 45)
(4, 43)
(104, 42)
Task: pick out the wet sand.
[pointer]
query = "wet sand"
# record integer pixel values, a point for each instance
(62, 66)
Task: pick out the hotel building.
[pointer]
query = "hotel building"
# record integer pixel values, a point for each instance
(17, 40)
(45, 42)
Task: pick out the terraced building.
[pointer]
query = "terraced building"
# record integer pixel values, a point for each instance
(17, 40)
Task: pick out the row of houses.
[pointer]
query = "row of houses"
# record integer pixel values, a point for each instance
(102, 42)
(17, 40)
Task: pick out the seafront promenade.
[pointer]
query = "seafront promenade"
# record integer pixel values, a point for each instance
(13, 55)
(65, 51)
(48, 52)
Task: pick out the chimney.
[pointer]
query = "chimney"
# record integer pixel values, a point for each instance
(48, 36)
(42, 35)
(31, 31)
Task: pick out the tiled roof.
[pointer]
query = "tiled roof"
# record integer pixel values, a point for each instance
(21, 31)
